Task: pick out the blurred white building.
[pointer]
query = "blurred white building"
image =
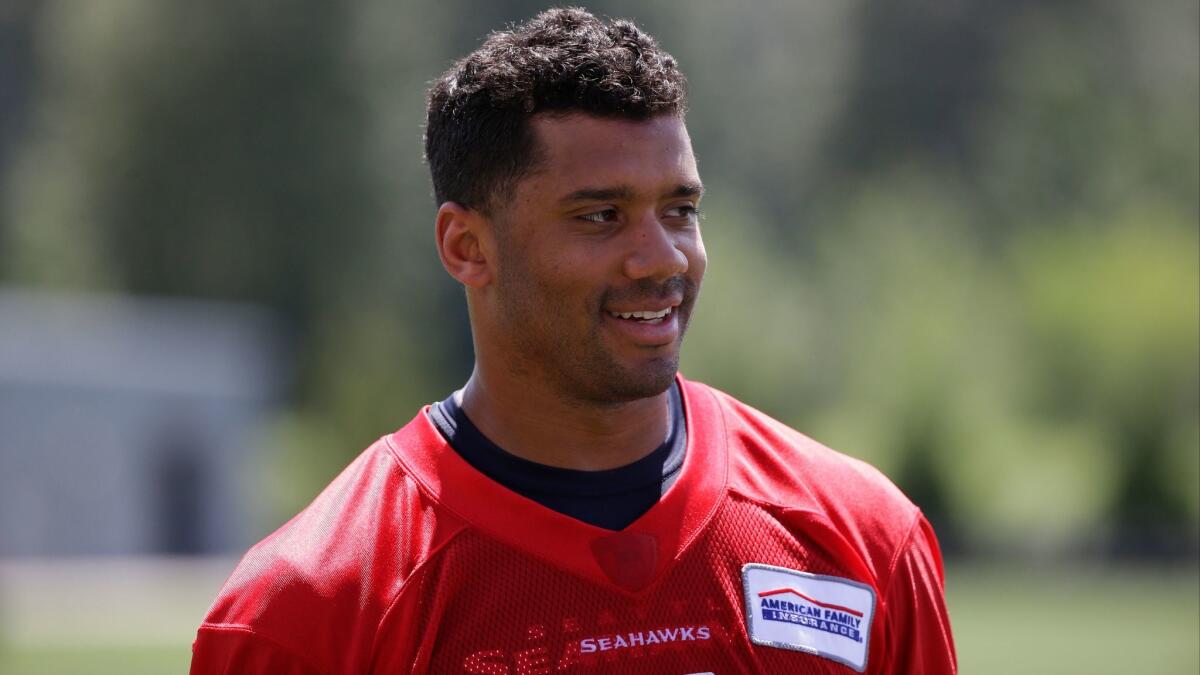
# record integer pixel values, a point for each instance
(130, 425)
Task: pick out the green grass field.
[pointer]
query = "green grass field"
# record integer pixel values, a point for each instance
(1054, 621)
(1061, 622)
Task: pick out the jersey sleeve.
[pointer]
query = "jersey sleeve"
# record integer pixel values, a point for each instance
(236, 650)
(919, 637)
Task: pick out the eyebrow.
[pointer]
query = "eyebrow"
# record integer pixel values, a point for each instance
(688, 190)
(624, 192)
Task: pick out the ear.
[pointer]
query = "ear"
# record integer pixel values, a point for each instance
(463, 244)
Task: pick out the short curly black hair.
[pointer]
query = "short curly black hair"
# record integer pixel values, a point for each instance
(478, 138)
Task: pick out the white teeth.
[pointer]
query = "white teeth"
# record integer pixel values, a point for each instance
(645, 316)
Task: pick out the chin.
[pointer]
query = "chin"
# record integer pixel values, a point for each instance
(624, 385)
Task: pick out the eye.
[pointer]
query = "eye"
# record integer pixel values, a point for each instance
(689, 211)
(601, 216)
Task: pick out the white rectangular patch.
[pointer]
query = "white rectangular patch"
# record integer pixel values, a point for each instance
(822, 615)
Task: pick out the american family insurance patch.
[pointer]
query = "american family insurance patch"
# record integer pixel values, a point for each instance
(822, 615)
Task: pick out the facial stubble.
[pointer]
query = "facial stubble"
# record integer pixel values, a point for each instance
(580, 365)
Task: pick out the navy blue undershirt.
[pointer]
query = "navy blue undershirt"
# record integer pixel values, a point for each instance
(611, 499)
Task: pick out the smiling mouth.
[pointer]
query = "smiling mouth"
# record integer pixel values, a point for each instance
(644, 317)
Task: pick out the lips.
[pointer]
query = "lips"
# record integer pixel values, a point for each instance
(644, 316)
(656, 331)
(648, 314)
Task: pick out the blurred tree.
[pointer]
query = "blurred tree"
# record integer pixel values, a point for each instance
(922, 71)
(1113, 314)
(956, 239)
(16, 77)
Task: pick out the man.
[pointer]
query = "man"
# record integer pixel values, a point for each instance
(578, 507)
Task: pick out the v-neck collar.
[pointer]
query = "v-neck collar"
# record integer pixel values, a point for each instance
(629, 560)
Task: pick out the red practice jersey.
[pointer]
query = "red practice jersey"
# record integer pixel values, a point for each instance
(769, 554)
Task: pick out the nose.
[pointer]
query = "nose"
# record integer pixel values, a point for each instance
(655, 251)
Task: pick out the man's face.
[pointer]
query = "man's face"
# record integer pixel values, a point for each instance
(600, 257)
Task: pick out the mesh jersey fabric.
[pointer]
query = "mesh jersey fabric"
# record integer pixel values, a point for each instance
(413, 562)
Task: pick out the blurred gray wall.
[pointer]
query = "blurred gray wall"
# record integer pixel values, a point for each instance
(130, 425)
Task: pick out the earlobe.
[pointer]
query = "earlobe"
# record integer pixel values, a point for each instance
(461, 244)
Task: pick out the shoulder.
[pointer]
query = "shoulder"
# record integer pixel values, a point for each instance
(773, 464)
(328, 576)
(852, 512)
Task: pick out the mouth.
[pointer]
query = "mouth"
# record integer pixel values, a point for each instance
(648, 317)
(647, 328)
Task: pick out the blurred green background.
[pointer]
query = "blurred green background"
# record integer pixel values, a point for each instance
(958, 239)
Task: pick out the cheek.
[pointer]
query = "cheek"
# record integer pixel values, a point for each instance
(564, 275)
(568, 280)
(697, 257)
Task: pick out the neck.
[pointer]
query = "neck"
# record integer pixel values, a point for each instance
(534, 423)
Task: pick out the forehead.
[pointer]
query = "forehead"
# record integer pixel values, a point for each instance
(582, 151)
